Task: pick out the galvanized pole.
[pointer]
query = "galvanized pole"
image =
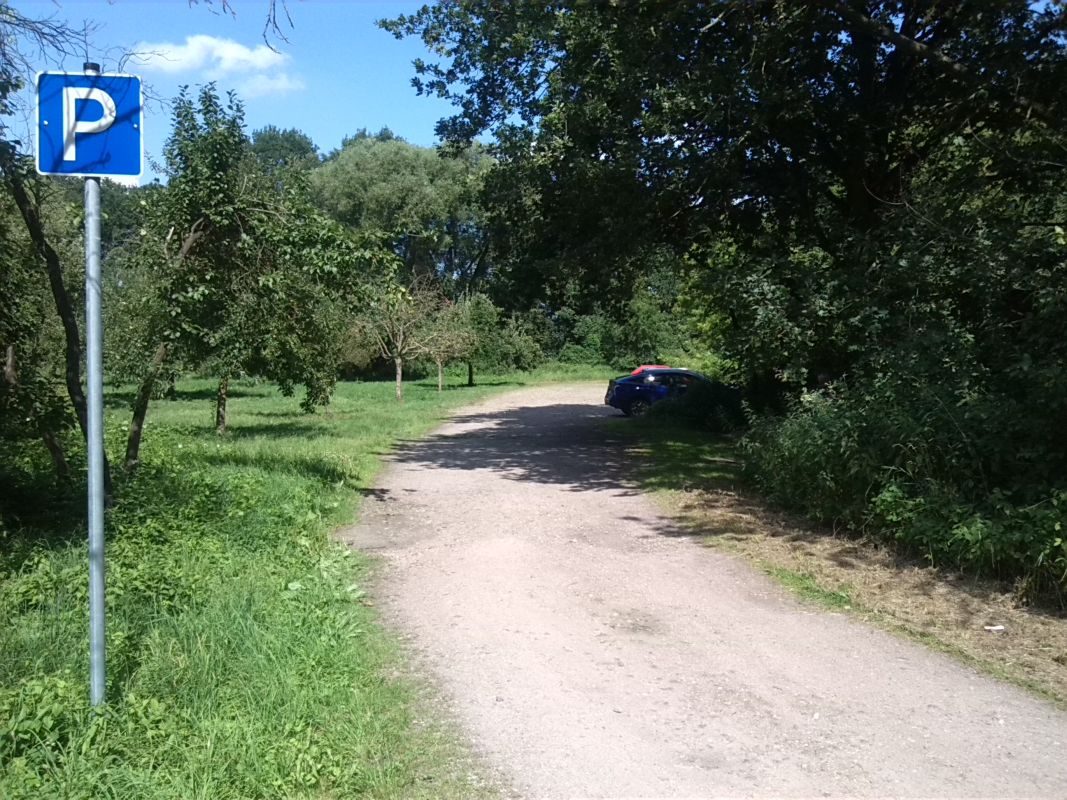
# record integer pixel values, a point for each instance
(94, 349)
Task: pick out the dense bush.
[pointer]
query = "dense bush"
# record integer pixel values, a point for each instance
(899, 459)
(517, 348)
(643, 331)
(947, 432)
(714, 407)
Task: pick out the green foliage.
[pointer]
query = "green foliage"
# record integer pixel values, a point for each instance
(198, 233)
(422, 199)
(499, 342)
(648, 326)
(903, 464)
(33, 399)
(576, 338)
(236, 271)
(279, 151)
(517, 347)
(819, 458)
(397, 323)
(453, 334)
(947, 439)
(135, 307)
(877, 208)
(645, 334)
(315, 272)
(31, 354)
(484, 320)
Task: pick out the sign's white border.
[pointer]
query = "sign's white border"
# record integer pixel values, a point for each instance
(37, 126)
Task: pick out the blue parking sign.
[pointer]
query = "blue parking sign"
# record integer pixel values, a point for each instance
(88, 125)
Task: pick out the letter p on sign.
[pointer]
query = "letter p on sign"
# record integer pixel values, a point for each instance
(72, 126)
(88, 124)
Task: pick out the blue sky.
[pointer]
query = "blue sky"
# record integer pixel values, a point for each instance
(336, 74)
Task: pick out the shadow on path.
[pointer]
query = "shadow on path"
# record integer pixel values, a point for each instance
(570, 446)
(555, 444)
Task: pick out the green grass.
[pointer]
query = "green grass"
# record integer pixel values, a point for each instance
(808, 588)
(675, 457)
(244, 660)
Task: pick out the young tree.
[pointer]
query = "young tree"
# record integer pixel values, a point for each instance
(483, 320)
(453, 337)
(312, 272)
(398, 325)
(198, 224)
(251, 279)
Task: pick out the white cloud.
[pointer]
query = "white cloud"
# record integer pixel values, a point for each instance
(253, 71)
(212, 54)
(260, 85)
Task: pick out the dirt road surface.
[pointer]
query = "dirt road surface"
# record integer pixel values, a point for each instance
(590, 648)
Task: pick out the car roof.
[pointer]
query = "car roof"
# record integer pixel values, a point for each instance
(671, 371)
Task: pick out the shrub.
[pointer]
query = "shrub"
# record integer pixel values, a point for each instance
(518, 349)
(818, 457)
(897, 459)
(711, 406)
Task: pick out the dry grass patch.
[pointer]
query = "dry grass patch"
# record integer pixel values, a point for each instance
(949, 612)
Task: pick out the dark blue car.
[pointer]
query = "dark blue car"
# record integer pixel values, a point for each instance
(633, 395)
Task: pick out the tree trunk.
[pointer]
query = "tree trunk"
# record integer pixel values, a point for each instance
(11, 372)
(55, 449)
(399, 379)
(440, 376)
(220, 406)
(140, 407)
(470, 373)
(63, 307)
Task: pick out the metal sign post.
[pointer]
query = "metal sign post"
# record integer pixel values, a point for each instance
(90, 124)
(94, 376)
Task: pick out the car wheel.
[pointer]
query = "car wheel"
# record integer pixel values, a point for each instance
(637, 408)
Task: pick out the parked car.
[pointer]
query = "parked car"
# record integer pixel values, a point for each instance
(634, 394)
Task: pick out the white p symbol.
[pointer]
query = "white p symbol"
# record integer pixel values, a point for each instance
(73, 126)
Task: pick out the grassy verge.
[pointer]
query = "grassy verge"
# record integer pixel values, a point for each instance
(697, 478)
(243, 659)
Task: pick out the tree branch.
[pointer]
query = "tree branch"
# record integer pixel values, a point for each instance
(885, 33)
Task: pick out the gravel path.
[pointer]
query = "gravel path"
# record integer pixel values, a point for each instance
(589, 648)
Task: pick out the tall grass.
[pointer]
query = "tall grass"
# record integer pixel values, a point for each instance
(244, 660)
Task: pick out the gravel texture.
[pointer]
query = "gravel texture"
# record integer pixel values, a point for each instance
(589, 647)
